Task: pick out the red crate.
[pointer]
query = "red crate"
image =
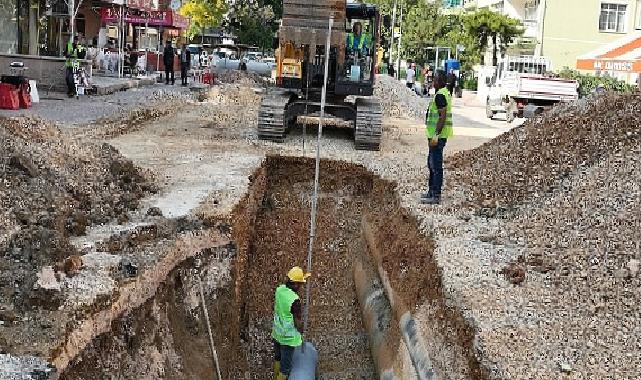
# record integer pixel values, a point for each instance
(9, 98)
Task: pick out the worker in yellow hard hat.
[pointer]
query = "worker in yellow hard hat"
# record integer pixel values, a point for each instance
(288, 323)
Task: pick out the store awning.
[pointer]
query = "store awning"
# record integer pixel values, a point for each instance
(167, 19)
(623, 55)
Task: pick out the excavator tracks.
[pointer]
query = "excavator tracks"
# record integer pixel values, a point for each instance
(271, 116)
(368, 127)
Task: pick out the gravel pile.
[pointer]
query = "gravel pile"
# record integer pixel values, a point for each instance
(531, 161)
(53, 188)
(239, 77)
(397, 100)
(567, 188)
(232, 104)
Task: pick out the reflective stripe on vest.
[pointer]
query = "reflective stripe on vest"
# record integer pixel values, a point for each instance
(361, 41)
(284, 330)
(431, 119)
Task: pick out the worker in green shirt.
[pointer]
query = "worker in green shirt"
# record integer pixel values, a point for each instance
(438, 123)
(288, 326)
(71, 53)
(357, 41)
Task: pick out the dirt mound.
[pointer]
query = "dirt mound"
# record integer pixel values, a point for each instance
(531, 161)
(397, 100)
(231, 104)
(53, 187)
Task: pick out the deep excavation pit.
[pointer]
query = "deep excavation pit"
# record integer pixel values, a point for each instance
(358, 212)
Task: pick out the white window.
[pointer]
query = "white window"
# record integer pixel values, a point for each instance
(612, 17)
(531, 10)
(638, 21)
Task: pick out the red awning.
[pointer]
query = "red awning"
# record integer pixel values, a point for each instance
(167, 19)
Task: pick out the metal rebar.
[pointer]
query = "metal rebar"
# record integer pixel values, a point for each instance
(211, 336)
(312, 231)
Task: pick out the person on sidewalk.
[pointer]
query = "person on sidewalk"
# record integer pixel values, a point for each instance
(439, 128)
(288, 325)
(168, 60)
(71, 55)
(410, 76)
(185, 63)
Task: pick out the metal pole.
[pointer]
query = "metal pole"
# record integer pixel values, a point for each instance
(312, 231)
(211, 336)
(398, 52)
(391, 43)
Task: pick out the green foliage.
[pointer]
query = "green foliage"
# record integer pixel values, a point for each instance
(487, 26)
(203, 14)
(254, 22)
(422, 28)
(587, 82)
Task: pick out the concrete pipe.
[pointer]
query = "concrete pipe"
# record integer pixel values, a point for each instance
(304, 363)
(377, 318)
(406, 323)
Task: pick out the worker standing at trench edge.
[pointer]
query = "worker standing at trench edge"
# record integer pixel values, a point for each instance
(439, 128)
(288, 323)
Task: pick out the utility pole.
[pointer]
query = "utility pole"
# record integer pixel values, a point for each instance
(391, 43)
(398, 51)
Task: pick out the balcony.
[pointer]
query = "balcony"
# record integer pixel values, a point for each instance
(531, 29)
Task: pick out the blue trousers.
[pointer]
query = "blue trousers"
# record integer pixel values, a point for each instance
(435, 166)
(283, 354)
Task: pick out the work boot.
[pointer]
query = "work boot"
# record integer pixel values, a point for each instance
(431, 200)
(276, 370)
(426, 195)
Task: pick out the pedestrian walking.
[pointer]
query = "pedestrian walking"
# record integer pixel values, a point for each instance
(168, 55)
(410, 76)
(439, 128)
(451, 82)
(428, 75)
(288, 322)
(185, 63)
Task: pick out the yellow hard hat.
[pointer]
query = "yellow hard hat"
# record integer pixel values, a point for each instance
(296, 274)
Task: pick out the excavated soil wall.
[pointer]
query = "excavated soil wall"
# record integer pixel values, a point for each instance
(166, 337)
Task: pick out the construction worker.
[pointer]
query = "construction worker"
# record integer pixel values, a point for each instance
(288, 325)
(438, 124)
(357, 41)
(71, 53)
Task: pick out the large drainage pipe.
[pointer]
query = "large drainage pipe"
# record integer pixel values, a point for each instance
(377, 318)
(304, 363)
(412, 338)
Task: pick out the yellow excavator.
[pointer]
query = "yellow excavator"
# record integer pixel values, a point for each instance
(300, 64)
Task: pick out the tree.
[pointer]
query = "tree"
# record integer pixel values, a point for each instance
(73, 6)
(203, 14)
(486, 25)
(254, 21)
(423, 27)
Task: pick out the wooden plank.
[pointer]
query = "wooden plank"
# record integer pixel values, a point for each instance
(313, 13)
(315, 24)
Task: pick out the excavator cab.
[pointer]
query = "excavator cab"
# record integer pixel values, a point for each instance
(356, 74)
(300, 71)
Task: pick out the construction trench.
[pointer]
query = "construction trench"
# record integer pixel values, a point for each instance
(368, 251)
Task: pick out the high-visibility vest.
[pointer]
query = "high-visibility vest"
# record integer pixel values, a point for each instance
(363, 41)
(431, 119)
(284, 330)
(70, 62)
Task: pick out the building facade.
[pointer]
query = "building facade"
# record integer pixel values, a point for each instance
(573, 28)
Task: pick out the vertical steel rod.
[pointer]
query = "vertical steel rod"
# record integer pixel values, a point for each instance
(312, 231)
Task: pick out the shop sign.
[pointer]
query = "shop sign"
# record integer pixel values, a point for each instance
(154, 18)
(613, 65)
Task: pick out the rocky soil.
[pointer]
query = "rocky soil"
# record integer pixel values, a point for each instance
(53, 188)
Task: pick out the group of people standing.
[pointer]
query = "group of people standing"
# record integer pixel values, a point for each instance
(169, 54)
(411, 75)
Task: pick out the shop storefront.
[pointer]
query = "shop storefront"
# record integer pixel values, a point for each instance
(145, 31)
